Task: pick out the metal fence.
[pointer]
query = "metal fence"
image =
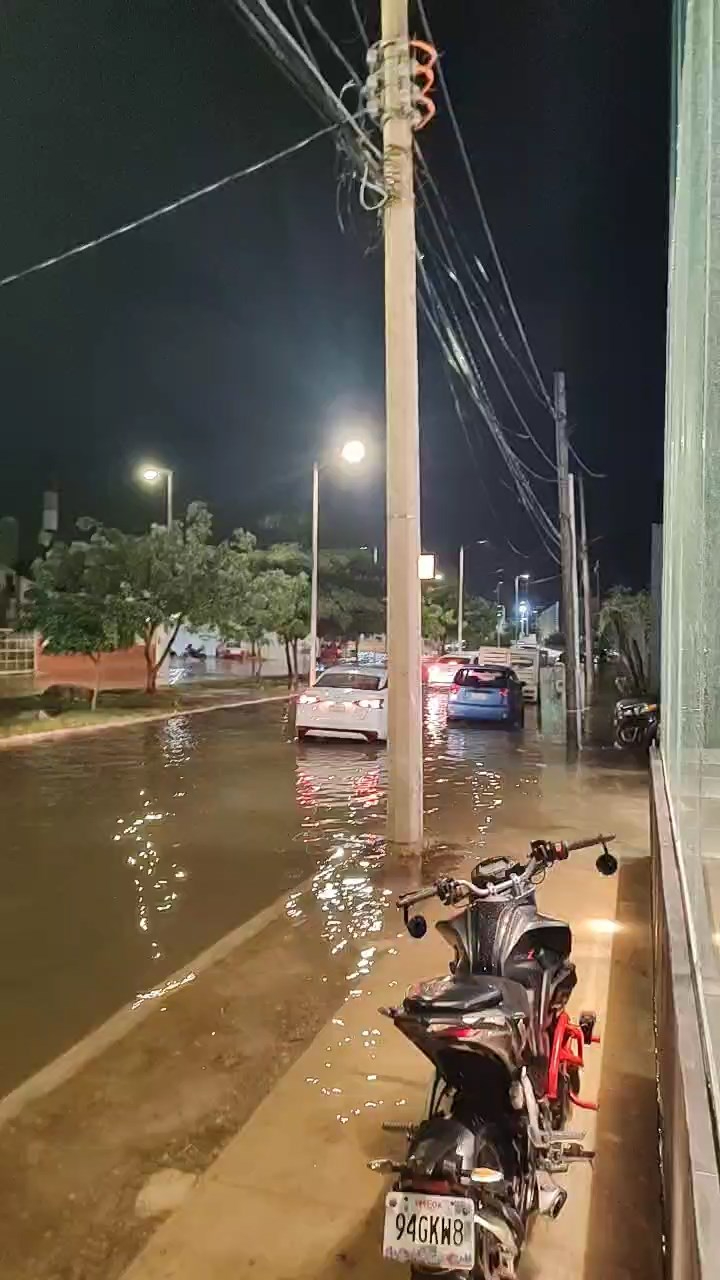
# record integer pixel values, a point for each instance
(17, 654)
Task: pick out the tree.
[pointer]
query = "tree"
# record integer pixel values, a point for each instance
(351, 593)
(72, 604)
(285, 604)
(439, 612)
(625, 620)
(165, 578)
(481, 620)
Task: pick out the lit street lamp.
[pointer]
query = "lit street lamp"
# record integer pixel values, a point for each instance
(352, 452)
(151, 475)
(518, 577)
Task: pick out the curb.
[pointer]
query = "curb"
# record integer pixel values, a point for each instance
(118, 1025)
(66, 731)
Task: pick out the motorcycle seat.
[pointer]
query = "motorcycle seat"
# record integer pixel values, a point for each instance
(454, 995)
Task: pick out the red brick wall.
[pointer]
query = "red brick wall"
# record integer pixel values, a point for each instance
(123, 669)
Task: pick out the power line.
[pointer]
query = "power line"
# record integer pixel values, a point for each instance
(449, 222)
(359, 22)
(197, 194)
(460, 359)
(481, 208)
(478, 329)
(302, 69)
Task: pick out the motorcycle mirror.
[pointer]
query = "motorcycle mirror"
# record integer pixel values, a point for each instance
(607, 864)
(417, 926)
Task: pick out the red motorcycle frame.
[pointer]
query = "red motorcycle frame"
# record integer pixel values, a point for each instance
(569, 1040)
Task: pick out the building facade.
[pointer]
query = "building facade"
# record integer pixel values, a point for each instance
(686, 777)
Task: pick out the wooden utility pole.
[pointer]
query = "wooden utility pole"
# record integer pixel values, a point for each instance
(587, 599)
(567, 561)
(405, 760)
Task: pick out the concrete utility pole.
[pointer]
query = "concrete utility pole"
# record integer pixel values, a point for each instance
(405, 761)
(461, 586)
(312, 674)
(579, 691)
(567, 560)
(587, 599)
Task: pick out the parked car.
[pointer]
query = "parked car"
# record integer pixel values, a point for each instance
(440, 670)
(345, 702)
(487, 693)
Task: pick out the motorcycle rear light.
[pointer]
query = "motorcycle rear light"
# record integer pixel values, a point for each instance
(455, 1033)
(308, 697)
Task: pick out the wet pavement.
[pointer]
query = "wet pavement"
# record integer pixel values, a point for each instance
(126, 853)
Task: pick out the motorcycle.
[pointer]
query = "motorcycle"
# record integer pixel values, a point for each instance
(507, 1060)
(636, 723)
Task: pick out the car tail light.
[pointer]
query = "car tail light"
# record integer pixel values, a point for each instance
(454, 690)
(308, 697)
(370, 703)
(504, 695)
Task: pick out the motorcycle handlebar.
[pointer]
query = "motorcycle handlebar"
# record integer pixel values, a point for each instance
(535, 863)
(589, 843)
(409, 899)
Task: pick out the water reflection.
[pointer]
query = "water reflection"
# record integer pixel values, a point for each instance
(166, 836)
(157, 877)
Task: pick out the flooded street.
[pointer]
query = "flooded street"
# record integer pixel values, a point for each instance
(126, 853)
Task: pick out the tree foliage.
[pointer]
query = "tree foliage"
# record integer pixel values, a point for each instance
(440, 617)
(74, 606)
(351, 595)
(142, 587)
(625, 620)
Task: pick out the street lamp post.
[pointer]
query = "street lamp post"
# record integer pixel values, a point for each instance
(151, 475)
(499, 623)
(481, 542)
(352, 452)
(461, 583)
(518, 576)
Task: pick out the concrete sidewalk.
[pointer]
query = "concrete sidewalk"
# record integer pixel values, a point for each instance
(290, 1196)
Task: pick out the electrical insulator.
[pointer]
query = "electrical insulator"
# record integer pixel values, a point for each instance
(422, 69)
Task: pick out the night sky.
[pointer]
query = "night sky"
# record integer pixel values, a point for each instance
(235, 339)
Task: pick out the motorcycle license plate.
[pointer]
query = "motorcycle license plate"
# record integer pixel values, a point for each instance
(431, 1231)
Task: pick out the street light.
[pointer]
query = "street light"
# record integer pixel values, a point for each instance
(481, 542)
(500, 611)
(518, 576)
(151, 475)
(352, 452)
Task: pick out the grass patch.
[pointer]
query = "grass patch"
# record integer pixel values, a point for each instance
(35, 713)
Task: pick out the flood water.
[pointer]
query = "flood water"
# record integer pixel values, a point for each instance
(126, 853)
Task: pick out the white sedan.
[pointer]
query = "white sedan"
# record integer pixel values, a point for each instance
(345, 702)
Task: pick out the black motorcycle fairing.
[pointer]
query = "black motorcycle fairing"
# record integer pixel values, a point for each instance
(443, 1146)
(503, 1033)
(494, 937)
(444, 996)
(451, 996)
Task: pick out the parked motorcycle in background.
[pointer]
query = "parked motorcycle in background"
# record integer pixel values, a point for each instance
(636, 723)
(507, 1061)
